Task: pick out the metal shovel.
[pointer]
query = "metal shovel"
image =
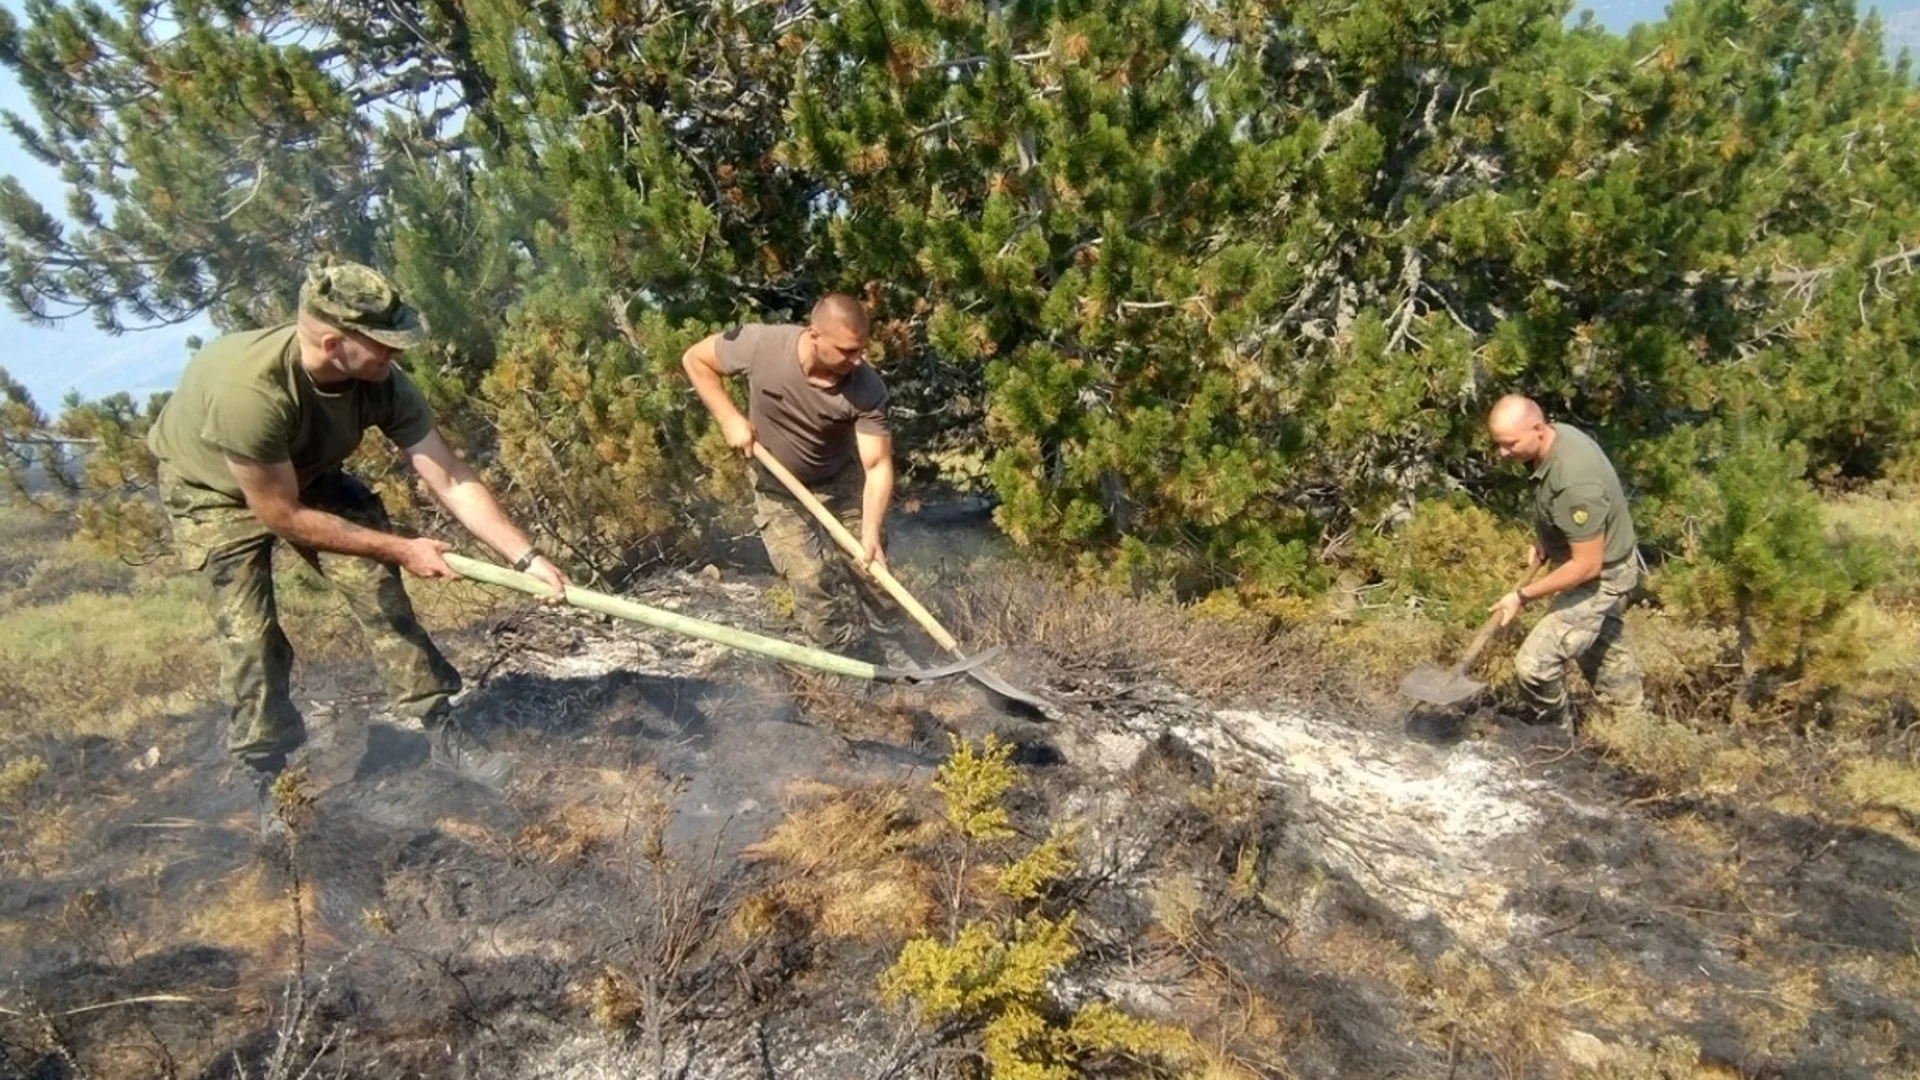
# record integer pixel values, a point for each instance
(887, 581)
(622, 608)
(1434, 685)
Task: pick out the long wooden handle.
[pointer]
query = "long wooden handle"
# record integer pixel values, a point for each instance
(1478, 645)
(852, 547)
(1491, 627)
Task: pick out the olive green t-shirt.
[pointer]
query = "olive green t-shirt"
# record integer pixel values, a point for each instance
(1579, 497)
(808, 429)
(246, 394)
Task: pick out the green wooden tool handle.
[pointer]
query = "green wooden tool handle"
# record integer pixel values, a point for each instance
(685, 625)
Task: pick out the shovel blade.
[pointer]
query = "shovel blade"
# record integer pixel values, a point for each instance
(973, 667)
(1435, 685)
(1009, 691)
(965, 666)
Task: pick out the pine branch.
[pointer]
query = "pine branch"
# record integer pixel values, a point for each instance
(970, 61)
(1903, 258)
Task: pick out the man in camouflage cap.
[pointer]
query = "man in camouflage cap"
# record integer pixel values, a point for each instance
(250, 450)
(1583, 529)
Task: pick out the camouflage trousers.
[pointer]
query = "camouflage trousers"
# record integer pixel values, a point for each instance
(256, 660)
(834, 604)
(1582, 626)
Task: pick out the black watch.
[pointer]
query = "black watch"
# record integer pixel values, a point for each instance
(526, 560)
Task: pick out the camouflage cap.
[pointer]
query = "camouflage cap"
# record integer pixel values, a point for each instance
(361, 299)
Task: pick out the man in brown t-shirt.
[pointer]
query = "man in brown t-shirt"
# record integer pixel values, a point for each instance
(822, 412)
(251, 447)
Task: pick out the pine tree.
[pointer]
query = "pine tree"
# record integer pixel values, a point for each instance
(1194, 286)
(206, 155)
(632, 202)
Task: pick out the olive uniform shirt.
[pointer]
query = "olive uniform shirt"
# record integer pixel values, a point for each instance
(1578, 498)
(246, 394)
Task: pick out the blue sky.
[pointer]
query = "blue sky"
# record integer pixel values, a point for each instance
(1902, 16)
(77, 356)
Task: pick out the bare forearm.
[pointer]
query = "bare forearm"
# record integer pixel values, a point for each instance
(712, 391)
(317, 529)
(1568, 575)
(473, 505)
(875, 497)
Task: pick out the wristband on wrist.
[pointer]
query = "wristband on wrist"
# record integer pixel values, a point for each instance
(1521, 593)
(526, 560)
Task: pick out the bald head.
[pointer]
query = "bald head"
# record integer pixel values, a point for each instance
(836, 338)
(1519, 428)
(841, 311)
(1515, 410)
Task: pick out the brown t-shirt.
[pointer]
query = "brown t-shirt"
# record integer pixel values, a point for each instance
(808, 429)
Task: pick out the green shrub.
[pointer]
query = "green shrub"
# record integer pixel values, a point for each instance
(990, 976)
(1451, 558)
(1760, 556)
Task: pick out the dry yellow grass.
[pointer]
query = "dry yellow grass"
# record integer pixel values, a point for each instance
(1879, 782)
(1706, 837)
(472, 834)
(251, 913)
(63, 568)
(1085, 627)
(1729, 769)
(1214, 1066)
(757, 915)
(1527, 1018)
(93, 664)
(605, 809)
(1177, 906)
(1650, 745)
(1775, 1019)
(613, 1001)
(1614, 991)
(17, 780)
(843, 862)
(92, 646)
(1383, 646)
(846, 708)
(1889, 512)
(1350, 949)
(1895, 976)
(39, 837)
(572, 833)
(1230, 1026)
(35, 828)
(15, 933)
(1670, 1058)
(1230, 803)
(1888, 624)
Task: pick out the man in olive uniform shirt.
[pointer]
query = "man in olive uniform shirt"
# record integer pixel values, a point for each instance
(821, 412)
(1583, 530)
(250, 449)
